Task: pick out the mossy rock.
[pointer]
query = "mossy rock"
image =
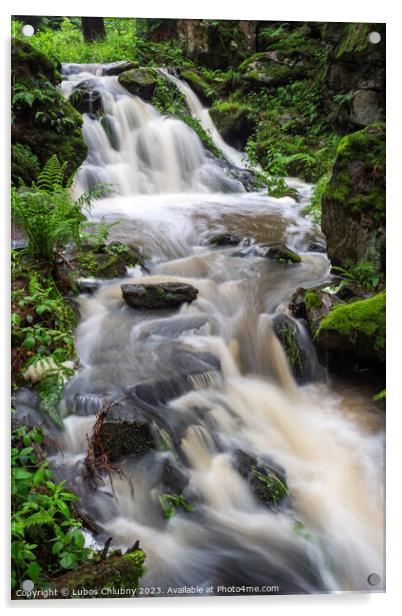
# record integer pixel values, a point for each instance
(280, 253)
(266, 480)
(200, 86)
(139, 81)
(234, 121)
(353, 204)
(273, 69)
(44, 122)
(108, 261)
(151, 296)
(115, 572)
(358, 327)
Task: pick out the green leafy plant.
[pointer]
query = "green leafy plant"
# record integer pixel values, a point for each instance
(363, 273)
(170, 503)
(48, 215)
(272, 482)
(46, 538)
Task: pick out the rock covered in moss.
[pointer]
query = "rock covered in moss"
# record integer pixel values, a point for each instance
(197, 83)
(234, 121)
(273, 68)
(353, 205)
(358, 327)
(266, 480)
(125, 431)
(280, 253)
(108, 261)
(139, 81)
(104, 578)
(44, 122)
(152, 296)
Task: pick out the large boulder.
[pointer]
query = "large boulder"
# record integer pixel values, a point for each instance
(125, 431)
(358, 328)
(234, 121)
(43, 121)
(353, 205)
(151, 296)
(139, 81)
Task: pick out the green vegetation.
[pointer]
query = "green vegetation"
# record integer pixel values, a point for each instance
(271, 488)
(365, 148)
(359, 325)
(171, 502)
(362, 273)
(47, 539)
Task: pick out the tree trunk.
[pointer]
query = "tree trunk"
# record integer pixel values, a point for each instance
(93, 29)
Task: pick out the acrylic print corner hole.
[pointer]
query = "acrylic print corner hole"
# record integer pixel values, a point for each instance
(198, 307)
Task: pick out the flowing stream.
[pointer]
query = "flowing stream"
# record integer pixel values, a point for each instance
(327, 440)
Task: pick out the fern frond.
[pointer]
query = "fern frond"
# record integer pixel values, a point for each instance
(51, 178)
(40, 518)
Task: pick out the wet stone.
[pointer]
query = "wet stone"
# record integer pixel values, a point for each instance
(153, 296)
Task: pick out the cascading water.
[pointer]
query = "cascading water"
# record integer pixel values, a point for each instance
(201, 113)
(240, 395)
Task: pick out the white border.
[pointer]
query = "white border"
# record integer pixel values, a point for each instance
(290, 10)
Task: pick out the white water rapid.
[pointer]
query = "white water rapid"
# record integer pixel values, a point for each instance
(325, 439)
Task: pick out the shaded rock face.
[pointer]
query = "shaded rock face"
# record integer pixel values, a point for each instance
(367, 107)
(288, 335)
(353, 205)
(153, 296)
(46, 125)
(86, 98)
(125, 431)
(233, 122)
(355, 66)
(140, 82)
(265, 478)
(279, 252)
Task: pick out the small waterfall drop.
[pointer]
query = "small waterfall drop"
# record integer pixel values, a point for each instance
(137, 150)
(197, 110)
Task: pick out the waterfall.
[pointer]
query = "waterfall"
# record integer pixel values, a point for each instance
(201, 113)
(239, 395)
(138, 150)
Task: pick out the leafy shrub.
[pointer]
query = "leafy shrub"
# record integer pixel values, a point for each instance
(47, 213)
(46, 538)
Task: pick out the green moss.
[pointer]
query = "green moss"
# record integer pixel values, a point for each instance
(356, 325)
(354, 39)
(360, 153)
(44, 122)
(115, 572)
(312, 300)
(139, 81)
(25, 164)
